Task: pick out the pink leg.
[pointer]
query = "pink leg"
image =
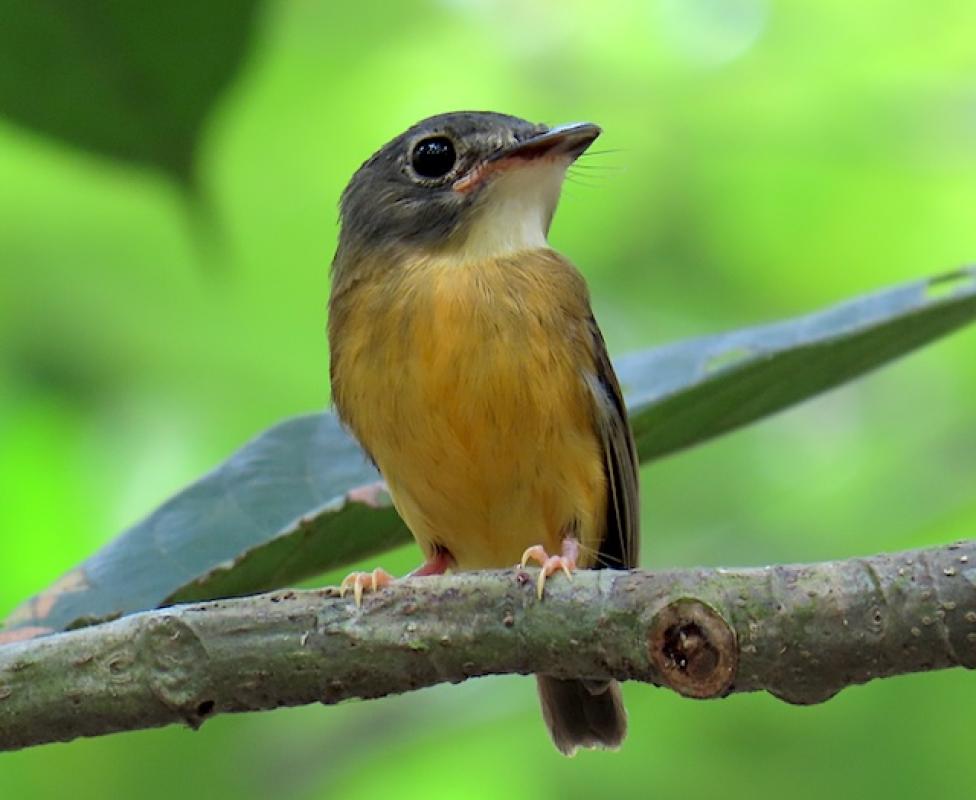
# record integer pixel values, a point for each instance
(437, 564)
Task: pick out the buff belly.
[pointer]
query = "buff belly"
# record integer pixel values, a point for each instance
(467, 386)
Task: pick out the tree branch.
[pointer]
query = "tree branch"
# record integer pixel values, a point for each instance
(800, 632)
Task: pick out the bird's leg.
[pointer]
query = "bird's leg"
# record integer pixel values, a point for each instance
(551, 564)
(360, 582)
(436, 564)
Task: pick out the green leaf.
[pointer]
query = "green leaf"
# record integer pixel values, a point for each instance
(301, 498)
(685, 393)
(133, 81)
(298, 496)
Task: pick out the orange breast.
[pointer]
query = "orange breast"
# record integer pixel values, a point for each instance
(466, 383)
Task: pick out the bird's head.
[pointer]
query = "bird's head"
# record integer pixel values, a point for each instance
(468, 185)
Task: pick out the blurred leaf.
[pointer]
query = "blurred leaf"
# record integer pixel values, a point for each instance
(133, 81)
(301, 499)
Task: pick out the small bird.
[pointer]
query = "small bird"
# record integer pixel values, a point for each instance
(466, 360)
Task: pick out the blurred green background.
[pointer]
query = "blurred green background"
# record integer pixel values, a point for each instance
(763, 158)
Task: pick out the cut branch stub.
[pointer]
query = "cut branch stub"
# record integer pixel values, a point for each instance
(693, 648)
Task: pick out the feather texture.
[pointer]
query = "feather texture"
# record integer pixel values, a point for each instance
(483, 391)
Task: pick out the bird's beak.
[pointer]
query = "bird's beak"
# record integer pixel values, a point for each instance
(565, 140)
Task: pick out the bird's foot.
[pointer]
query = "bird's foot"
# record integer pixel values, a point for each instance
(379, 578)
(552, 564)
(361, 582)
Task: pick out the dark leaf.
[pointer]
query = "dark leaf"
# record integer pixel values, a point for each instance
(133, 81)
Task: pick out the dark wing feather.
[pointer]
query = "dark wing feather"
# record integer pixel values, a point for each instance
(582, 713)
(621, 541)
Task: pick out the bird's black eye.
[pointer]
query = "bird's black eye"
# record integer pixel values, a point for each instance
(433, 157)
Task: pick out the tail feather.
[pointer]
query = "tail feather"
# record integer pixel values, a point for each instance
(581, 714)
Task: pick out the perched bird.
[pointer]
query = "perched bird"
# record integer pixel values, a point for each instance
(466, 361)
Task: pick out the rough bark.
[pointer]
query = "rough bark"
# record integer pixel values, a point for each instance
(800, 632)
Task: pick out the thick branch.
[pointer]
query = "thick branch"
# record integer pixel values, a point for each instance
(799, 632)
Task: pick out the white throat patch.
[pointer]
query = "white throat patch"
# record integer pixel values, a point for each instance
(517, 209)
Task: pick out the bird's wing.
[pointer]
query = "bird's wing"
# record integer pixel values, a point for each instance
(621, 541)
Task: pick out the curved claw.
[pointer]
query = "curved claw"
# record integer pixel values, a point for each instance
(552, 564)
(361, 582)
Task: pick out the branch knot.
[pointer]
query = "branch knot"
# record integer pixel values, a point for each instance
(693, 649)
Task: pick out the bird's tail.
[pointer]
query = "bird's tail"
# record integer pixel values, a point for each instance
(582, 713)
